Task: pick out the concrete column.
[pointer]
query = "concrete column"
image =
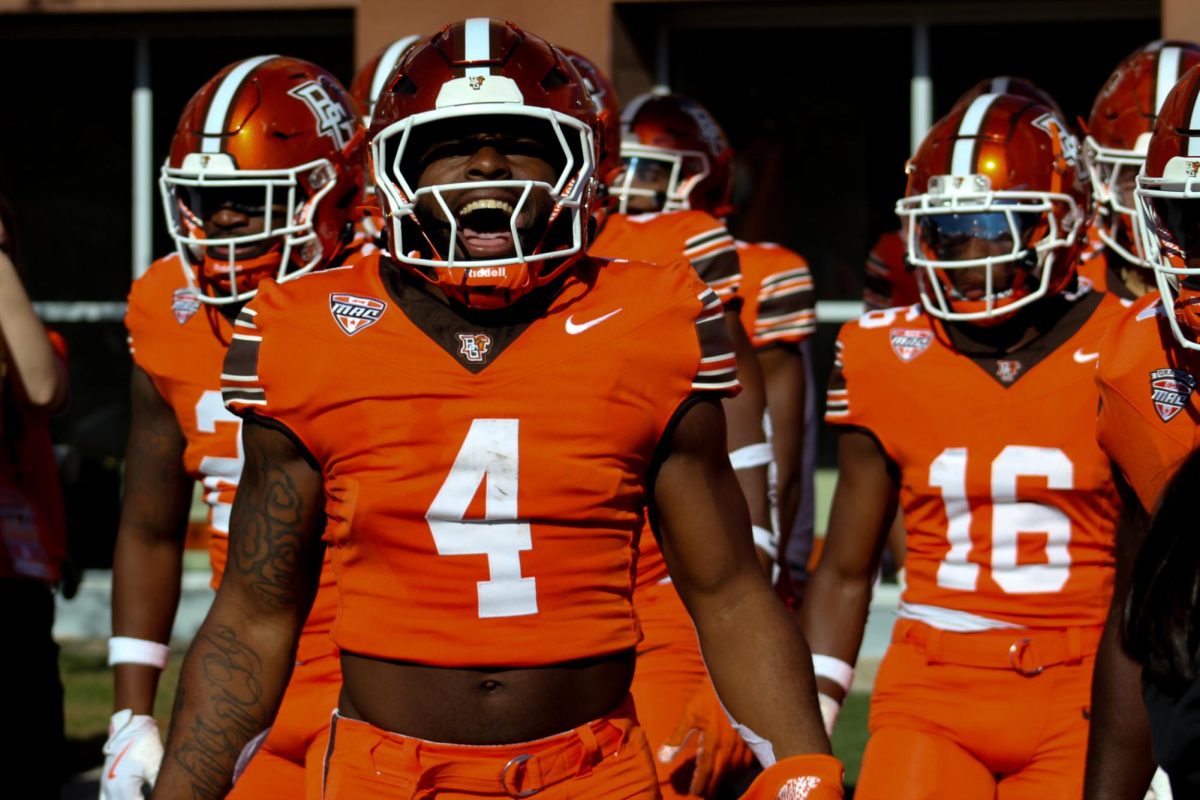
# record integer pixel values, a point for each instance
(143, 161)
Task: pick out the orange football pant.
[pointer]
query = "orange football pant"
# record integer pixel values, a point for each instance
(998, 714)
(606, 759)
(670, 671)
(278, 769)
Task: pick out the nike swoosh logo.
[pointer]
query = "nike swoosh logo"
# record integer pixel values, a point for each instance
(575, 330)
(1083, 358)
(112, 771)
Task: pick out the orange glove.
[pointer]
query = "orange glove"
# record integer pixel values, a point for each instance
(809, 777)
(719, 750)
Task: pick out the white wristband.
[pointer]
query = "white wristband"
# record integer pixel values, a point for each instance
(834, 669)
(752, 455)
(127, 650)
(765, 540)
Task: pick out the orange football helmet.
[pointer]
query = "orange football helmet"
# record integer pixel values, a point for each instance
(276, 137)
(1168, 197)
(486, 69)
(994, 208)
(369, 81)
(1119, 129)
(608, 112)
(1011, 84)
(675, 134)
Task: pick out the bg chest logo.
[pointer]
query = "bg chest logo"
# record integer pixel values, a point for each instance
(474, 346)
(1169, 391)
(352, 313)
(908, 344)
(1008, 370)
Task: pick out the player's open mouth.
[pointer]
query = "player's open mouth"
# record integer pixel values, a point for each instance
(485, 227)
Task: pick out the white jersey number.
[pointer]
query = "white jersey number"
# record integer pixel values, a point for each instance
(488, 454)
(1011, 519)
(220, 474)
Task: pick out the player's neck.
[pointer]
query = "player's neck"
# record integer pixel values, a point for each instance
(1022, 328)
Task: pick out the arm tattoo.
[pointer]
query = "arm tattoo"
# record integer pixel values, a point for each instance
(267, 537)
(231, 671)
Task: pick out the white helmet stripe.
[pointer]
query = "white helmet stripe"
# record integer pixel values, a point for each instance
(1194, 125)
(387, 62)
(962, 160)
(478, 45)
(1168, 75)
(218, 108)
(1000, 85)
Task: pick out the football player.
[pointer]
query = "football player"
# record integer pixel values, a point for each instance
(888, 281)
(492, 411)
(1149, 419)
(652, 220)
(697, 748)
(1118, 131)
(264, 170)
(973, 412)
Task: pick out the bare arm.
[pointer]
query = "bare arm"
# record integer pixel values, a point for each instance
(1119, 761)
(24, 344)
(745, 418)
(237, 667)
(148, 559)
(755, 654)
(786, 380)
(835, 606)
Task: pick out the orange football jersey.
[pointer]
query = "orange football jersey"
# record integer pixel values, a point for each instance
(889, 282)
(484, 486)
(1149, 414)
(662, 238)
(777, 288)
(181, 343)
(1007, 498)
(33, 528)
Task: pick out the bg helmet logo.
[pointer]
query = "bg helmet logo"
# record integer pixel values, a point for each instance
(333, 119)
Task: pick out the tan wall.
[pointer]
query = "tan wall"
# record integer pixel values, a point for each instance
(583, 25)
(1181, 19)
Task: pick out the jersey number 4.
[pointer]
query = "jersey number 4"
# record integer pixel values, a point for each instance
(1010, 519)
(489, 455)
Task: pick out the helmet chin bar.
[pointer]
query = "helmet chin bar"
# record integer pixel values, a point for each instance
(679, 188)
(568, 193)
(1096, 156)
(951, 195)
(1167, 275)
(296, 235)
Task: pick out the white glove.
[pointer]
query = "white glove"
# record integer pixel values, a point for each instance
(132, 756)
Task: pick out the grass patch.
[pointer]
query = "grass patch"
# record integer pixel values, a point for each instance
(850, 735)
(88, 699)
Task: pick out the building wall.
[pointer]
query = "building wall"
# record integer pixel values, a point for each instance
(582, 25)
(1181, 19)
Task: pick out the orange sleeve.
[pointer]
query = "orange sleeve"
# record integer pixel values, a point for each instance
(712, 252)
(786, 302)
(266, 371)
